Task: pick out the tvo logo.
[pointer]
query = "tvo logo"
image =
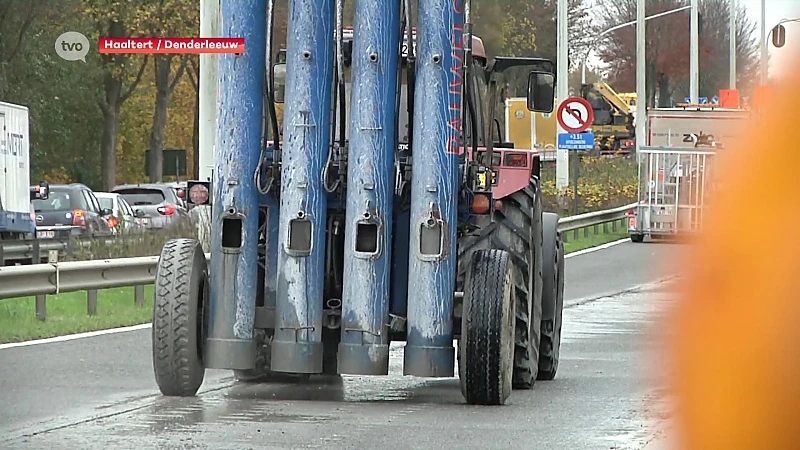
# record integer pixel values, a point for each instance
(72, 46)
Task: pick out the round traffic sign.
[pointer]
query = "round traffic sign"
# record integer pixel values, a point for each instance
(575, 115)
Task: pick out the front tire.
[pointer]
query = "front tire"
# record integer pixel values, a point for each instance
(487, 329)
(517, 230)
(178, 330)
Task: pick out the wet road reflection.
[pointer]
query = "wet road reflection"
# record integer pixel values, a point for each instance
(599, 400)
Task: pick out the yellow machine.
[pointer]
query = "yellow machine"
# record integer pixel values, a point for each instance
(629, 98)
(613, 118)
(529, 130)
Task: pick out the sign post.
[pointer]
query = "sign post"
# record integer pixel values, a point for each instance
(575, 116)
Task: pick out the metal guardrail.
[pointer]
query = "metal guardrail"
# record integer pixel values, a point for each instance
(594, 220)
(40, 280)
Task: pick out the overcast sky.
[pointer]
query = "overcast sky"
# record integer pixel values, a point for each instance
(775, 11)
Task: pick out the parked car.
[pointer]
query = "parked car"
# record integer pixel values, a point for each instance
(70, 210)
(159, 203)
(123, 218)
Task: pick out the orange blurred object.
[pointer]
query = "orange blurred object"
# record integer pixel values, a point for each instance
(762, 95)
(729, 98)
(737, 326)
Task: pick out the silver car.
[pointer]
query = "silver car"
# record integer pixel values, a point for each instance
(123, 218)
(156, 204)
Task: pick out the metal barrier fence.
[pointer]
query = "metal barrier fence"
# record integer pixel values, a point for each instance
(40, 280)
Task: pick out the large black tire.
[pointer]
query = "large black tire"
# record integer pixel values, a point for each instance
(517, 229)
(637, 238)
(552, 298)
(179, 325)
(487, 329)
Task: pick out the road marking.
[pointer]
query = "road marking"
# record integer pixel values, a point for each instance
(70, 337)
(144, 326)
(594, 249)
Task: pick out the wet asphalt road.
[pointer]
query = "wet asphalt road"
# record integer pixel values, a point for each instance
(99, 392)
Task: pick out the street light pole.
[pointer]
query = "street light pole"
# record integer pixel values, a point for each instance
(641, 73)
(763, 42)
(694, 57)
(615, 28)
(765, 73)
(732, 34)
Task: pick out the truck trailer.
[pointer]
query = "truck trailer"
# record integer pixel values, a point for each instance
(17, 219)
(677, 176)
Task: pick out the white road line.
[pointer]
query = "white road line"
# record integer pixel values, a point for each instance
(594, 249)
(144, 326)
(70, 337)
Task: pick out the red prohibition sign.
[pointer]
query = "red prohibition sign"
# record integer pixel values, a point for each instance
(575, 115)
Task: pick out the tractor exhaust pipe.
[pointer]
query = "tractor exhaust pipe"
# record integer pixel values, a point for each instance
(364, 345)
(429, 350)
(229, 343)
(297, 346)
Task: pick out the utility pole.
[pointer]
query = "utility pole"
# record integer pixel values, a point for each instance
(641, 73)
(562, 91)
(732, 32)
(694, 54)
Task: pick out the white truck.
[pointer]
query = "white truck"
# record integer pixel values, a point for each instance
(677, 179)
(17, 219)
(687, 126)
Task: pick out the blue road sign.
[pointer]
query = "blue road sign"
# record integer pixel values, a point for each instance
(700, 100)
(576, 141)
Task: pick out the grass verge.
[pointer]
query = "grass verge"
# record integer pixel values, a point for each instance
(593, 240)
(66, 313)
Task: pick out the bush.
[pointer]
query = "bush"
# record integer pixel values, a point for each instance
(603, 183)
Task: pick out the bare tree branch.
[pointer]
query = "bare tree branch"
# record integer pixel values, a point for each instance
(124, 96)
(179, 73)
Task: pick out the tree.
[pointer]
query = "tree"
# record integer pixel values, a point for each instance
(193, 73)
(175, 18)
(61, 96)
(668, 44)
(115, 19)
(16, 18)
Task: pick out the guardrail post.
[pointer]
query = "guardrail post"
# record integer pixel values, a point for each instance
(36, 252)
(91, 302)
(138, 295)
(614, 226)
(41, 307)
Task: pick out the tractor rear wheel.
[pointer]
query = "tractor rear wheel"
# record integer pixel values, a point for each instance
(552, 297)
(487, 329)
(179, 317)
(517, 229)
